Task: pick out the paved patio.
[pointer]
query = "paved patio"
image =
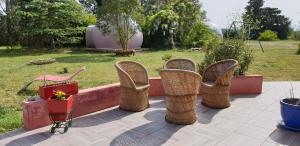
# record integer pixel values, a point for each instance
(250, 121)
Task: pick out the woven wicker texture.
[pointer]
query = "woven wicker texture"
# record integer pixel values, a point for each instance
(184, 64)
(216, 83)
(134, 86)
(181, 89)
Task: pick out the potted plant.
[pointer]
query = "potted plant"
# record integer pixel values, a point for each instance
(290, 111)
(60, 106)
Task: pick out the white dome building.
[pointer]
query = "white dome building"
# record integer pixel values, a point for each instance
(215, 28)
(96, 39)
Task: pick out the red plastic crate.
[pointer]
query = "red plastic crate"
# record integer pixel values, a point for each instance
(46, 92)
(59, 109)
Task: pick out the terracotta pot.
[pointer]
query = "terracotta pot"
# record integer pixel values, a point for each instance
(59, 109)
(46, 92)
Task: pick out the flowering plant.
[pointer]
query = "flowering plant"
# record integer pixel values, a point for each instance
(59, 95)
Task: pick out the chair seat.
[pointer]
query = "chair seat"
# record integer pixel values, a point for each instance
(208, 84)
(141, 86)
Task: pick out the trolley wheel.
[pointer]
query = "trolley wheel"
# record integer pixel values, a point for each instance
(69, 123)
(66, 129)
(57, 124)
(52, 129)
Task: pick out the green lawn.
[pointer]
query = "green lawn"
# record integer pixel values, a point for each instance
(278, 62)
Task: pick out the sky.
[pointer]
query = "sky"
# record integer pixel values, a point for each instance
(221, 11)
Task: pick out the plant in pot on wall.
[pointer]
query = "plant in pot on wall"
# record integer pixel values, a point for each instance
(60, 108)
(229, 49)
(290, 111)
(123, 17)
(236, 49)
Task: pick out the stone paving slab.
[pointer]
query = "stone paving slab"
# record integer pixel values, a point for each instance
(250, 121)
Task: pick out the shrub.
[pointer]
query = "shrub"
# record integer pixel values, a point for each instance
(230, 49)
(199, 36)
(166, 57)
(268, 35)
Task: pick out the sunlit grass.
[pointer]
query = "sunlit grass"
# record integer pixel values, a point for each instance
(278, 62)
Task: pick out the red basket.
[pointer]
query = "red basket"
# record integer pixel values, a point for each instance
(46, 92)
(59, 109)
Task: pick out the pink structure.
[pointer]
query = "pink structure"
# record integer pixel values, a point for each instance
(35, 113)
(96, 39)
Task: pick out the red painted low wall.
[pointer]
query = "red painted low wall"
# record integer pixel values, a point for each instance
(250, 84)
(35, 113)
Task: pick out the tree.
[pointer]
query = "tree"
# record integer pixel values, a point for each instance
(200, 36)
(90, 5)
(9, 23)
(152, 7)
(265, 18)
(58, 23)
(162, 28)
(252, 16)
(190, 14)
(171, 21)
(271, 19)
(122, 16)
(2, 7)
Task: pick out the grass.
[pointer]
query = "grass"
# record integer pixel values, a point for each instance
(278, 62)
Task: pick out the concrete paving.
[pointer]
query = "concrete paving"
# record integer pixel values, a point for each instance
(250, 121)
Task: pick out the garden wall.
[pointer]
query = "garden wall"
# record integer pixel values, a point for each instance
(35, 113)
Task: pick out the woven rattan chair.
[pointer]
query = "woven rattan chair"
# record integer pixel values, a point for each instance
(181, 89)
(134, 86)
(216, 83)
(184, 64)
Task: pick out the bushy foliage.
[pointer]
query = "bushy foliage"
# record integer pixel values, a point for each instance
(230, 33)
(266, 18)
(169, 22)
(199, 36)
(121, 16)
(230, 49)
(161, 28)
(268, 35)
(190, 14)
(90, 5)
(166, 57)
(52, 23)
(9, 24)
(3, 33)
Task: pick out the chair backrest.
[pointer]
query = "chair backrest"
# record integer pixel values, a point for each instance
(81, 69)
(220, 72)
(180, 82)
(131, 73)
(180, 63)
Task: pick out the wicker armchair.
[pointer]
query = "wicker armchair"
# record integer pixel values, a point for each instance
(134, 86)
(181, 89)
(216, 83)
(184, 64)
